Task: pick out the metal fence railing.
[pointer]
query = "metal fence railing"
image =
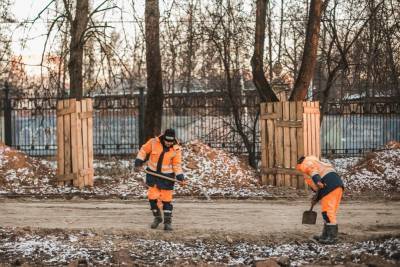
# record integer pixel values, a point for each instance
(351, 128)
(355, 128)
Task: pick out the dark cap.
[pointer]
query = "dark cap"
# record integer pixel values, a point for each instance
(300, 160)
(169, 135)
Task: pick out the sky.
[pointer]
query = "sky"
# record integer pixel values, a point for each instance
(27, 10)
(34, 35)
(24, 10)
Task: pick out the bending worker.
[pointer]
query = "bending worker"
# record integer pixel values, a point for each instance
(328, 188)
(164, 157)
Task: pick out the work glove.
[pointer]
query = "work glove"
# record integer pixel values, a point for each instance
(320, 185)
(137, 168)
(138, 165)
(183, 183)
(317, 180)
(181, 179)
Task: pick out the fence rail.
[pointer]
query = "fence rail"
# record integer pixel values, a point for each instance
(348, 128)
(355, 128)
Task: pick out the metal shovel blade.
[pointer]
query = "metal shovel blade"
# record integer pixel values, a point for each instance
(309, 217)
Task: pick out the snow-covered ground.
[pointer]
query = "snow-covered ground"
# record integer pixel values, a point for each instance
(377, 171)
(342, 165)
(211, 173)
(60, 247)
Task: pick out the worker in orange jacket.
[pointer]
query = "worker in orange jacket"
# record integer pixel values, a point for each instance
(328, 188)
(163, 156)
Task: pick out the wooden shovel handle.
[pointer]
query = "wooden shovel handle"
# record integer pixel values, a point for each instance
(161, 176)
(312, 206)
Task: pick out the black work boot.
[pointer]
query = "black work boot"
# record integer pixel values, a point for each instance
(157, 218)
(331, 235)
(167, 220)
(323, 235)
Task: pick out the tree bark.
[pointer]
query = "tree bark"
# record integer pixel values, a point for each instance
(155, 96)
(370, 88)
(270, 63)
(280, 32)
(263, 87)
(190, 51)
(309, 59)
(75, 65)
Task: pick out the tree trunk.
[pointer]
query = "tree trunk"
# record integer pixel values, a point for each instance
(190, 51)
(370, 88)
(263, 87)
(270, 67)
(155, 96)
(75, 65)
(307, 67)
(280, 32)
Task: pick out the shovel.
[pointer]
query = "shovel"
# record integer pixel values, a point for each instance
(309, 216)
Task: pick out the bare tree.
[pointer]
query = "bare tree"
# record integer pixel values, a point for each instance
(387, 28)
(190, 44)
(78, 28)
(171, 40)
(72, 16)
(155, 96)
(339, 48)
(139, 50)
(307, 67)
(227, 34)
(391, 54)
(270, 62)
(293, 31)
(280, 32)
(264, 88)
(361, 60)
(5, 38)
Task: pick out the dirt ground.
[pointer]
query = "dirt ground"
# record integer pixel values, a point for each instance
(245, 223)
(81, 232)
(197, 218)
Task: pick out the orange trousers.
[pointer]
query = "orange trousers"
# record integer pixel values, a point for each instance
(330, 205)
(161, 195)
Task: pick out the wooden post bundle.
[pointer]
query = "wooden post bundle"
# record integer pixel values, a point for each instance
(288, 131)
(75, 142)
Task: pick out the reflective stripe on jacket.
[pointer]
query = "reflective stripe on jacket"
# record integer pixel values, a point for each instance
(162, 160)
(171, 161)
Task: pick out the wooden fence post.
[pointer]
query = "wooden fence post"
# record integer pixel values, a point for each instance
(288, 131)
(75, 142)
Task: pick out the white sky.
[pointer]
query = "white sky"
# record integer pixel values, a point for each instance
(34, 35)
(26, 10)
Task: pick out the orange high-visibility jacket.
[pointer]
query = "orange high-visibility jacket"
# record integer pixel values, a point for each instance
(171, 160)
(312, 166)
(320, 171)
